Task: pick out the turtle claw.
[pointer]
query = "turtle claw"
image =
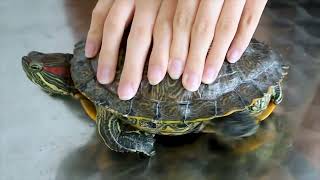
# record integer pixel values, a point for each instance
(118, 136)
(49, 92)
(137, 141)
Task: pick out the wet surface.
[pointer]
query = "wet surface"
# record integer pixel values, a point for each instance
(45, 137)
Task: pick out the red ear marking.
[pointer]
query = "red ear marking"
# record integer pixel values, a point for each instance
(59, 71)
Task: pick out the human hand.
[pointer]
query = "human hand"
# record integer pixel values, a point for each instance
(182, 31)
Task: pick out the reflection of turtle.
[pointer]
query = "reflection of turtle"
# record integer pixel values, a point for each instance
(243, 94)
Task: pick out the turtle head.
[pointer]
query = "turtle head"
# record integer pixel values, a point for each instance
(50, 71)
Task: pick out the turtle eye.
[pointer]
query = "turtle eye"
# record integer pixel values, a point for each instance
(35, 67)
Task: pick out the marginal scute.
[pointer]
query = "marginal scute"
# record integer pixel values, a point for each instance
(223, 103)
(236, 87)
(246, 92)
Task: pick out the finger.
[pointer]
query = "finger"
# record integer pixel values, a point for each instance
(182, 25)
(201, 38)
(94, 36)
(224, 32)
(113, 30)
(137, 47)
(248, 23)
(162, 35)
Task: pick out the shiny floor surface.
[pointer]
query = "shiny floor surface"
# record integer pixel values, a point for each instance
(45, 137)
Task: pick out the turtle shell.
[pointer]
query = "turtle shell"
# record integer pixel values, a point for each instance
(235, 88)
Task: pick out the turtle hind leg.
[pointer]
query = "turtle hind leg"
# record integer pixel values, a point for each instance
(236, 125)
(120, 137)
(267, 112)
(241, 132)
(265, 134)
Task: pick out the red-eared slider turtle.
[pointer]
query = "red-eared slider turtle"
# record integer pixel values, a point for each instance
(244, 94)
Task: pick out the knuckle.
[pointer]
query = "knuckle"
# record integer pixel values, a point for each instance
(249, 20)
(182, 20)
(226, 26)
(156, 61)
(203, 27)
(91, 34)
(94, 32)
(139, 33)
(112, 25)
(161, 29)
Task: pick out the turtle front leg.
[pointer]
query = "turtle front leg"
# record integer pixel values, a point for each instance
(120, 137)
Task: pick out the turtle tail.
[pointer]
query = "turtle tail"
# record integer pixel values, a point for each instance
(120, 137)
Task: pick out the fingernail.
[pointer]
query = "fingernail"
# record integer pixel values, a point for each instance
(209, 76)
(175, 68)
(104, 76)
(155, 75)
(234, 56)
(192, 81)
(125, 92)
(90, 49)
